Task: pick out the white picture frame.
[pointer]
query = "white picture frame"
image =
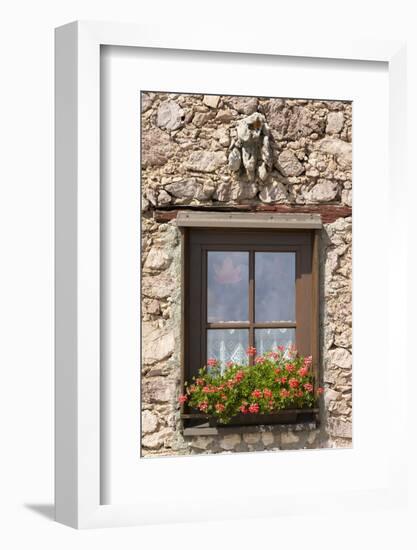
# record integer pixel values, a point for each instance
(78, 260)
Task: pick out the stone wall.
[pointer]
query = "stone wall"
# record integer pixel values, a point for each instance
(255, 154)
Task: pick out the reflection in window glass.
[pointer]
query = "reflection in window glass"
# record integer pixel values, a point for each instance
(227, 286)
(274, 286)
(228, 345)
(268, 339)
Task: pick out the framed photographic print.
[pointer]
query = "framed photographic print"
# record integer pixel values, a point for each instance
(244, 198)
(218, 216)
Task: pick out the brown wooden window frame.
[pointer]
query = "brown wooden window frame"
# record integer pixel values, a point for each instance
(196, 243)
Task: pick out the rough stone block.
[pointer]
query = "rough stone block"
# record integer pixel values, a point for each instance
(157, 148)
(335, 121)
(170, 115)
(206, 161)
(323, 191)
(201, 442)
(149, 422)
(251, 438)
(229, 442)
(340, 358)
(289, 164)
(158, 390)
(157, 344)
(267, 438)
(342, 150)
(289, 438)
(156, 439)
(340, 428)
(244, 105)
(273, 192)
(211, 101)
(157, 259)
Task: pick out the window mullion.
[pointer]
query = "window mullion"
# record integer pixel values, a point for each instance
(251, 302)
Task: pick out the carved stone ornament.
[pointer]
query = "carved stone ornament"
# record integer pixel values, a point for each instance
(251, 148)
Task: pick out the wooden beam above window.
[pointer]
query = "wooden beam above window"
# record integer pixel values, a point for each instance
(250, 220)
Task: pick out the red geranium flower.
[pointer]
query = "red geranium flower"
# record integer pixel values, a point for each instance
(283, 380)
(303, 371)
(243, 409)
(251, 350)
(308, 361)
(254, 408)
(308, 387)
(220, 407)
(284, 393)
(212, 362)
(182, 399)
(239, 376)
(289, 367)
(320, 390)
(293, 383)
(267, 393)
(259, 360)
(203, 406)
(257, 394)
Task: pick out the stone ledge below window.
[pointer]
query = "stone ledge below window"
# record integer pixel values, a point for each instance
(206, 429)
(195, 424)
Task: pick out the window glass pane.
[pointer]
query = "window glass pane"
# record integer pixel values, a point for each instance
(227, 286)
(268, 339)
(228, 345)
(274, 286)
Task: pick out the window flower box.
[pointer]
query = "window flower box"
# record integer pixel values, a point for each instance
(277, 387)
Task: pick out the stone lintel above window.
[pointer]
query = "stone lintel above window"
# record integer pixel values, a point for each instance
(250, 220)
